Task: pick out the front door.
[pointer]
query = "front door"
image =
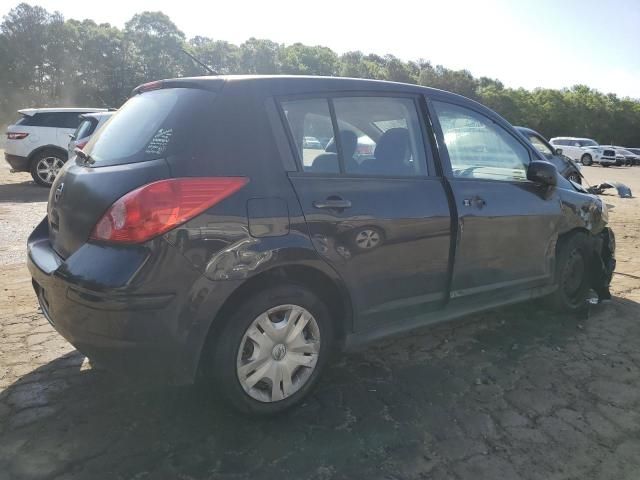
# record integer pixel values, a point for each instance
(373, 211)
(506, 224)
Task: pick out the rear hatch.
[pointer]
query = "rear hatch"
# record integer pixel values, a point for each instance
(129, 151)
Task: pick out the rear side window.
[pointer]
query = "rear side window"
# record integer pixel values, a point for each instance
(359, 136)
(310, 124)
(85, 129)
(391, 129)
(67, 120)
(156, 124)
(52, 120)
(24, 120)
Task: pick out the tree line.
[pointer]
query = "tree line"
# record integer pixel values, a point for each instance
(49, 61)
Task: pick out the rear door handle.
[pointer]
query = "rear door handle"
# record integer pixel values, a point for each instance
(332, 204)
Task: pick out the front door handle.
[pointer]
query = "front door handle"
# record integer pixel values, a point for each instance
(477, 202)
(331, 203)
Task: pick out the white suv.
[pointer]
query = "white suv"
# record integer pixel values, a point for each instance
(584, 150)
(37, 143)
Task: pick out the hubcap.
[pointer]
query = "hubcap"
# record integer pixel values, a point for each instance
(278, 353)
(48, 168)
(367, 239)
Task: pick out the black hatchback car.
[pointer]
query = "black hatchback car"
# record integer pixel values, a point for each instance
(196, 234)
(566, 167)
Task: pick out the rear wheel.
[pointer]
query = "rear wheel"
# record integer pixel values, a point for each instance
(272, 350)
(572, 274)
(45, 166)
(586, 160)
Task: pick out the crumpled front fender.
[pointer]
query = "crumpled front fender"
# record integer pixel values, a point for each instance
(603, 262)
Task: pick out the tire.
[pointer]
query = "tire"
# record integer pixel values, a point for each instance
(575, 177)
(572, 274)
(586, 160)
(45, 166)
(605, 165)
(255, 391)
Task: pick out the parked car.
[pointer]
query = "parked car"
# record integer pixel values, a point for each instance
(89, 123)
(573, 147)
(634, 150)
(630, 158)
(454, 213)
(606, 157)
(37, 142)
(585, 151)
(566, 167)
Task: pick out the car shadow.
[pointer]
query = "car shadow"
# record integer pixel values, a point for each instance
(23, 192)
(424, 404)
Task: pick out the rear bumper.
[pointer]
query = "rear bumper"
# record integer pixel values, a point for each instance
(123, 333)
(131, 326)
(17, 163)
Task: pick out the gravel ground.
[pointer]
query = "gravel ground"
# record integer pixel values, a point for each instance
(513, 393)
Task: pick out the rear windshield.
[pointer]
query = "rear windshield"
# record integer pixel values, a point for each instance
(156, 124)
(85, 129)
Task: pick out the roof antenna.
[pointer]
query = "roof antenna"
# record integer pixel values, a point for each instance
(199, 62)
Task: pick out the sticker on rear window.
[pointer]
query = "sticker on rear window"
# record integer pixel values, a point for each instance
(159, 142)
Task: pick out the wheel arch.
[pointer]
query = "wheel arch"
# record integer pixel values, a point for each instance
(329, 288)
(44, 148)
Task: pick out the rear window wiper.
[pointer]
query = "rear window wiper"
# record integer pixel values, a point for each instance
(86, 158)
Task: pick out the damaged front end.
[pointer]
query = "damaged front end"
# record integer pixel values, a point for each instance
(623, 190)
(603, 263)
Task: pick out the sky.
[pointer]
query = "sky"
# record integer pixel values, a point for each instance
(523, 43)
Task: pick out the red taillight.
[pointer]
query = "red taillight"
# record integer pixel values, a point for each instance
(157, 207)
(17, 135)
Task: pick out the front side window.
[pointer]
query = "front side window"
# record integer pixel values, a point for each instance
(480, 148)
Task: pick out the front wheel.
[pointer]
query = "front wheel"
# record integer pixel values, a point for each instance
(572, 274)
(586, 160)
(272, 350)
(45, 166)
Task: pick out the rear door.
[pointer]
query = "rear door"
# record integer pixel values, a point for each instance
(381, 219)
(506, 224)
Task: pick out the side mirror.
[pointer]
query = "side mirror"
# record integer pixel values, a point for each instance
(558, 151)
(71, 136)
(544, 173)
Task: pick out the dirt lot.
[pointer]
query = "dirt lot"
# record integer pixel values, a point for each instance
(514, 393)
